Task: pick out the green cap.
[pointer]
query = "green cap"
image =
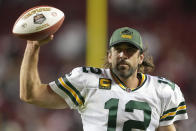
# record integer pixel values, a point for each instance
(126, 35)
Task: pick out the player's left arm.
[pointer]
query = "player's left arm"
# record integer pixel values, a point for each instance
(167, 128)
(173, 105)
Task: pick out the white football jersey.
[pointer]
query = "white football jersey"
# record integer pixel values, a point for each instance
(106, 104)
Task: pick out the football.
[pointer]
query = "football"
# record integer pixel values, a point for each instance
(38, 23)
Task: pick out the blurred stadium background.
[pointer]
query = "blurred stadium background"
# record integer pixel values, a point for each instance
(168, 28)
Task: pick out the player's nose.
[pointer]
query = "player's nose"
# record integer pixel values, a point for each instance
(122, 54)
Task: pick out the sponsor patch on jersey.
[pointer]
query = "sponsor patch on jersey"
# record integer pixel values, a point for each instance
(104, 83)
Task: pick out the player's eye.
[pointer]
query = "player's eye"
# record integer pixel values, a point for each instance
(131, 50)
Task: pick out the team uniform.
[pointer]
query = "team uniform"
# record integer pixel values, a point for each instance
(106, 104)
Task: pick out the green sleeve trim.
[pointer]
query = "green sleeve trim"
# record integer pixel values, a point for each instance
(171, 113)
(72, 87)
(67, 92)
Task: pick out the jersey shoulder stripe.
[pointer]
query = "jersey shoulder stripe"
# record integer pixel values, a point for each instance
(70, 90)
(79, 96)
(171, 113)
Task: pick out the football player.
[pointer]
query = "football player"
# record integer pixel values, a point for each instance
(120, 97)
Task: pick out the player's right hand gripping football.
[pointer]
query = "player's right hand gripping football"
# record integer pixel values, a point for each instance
(41, 42)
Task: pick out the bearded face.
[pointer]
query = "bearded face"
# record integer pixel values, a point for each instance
(123, 68)
(124, 60)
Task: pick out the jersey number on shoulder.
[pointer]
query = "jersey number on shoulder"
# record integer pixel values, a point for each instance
(112, 105)
(168, 82)
(91, 69)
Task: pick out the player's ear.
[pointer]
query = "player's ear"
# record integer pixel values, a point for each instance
(109, 55)
(141, 58)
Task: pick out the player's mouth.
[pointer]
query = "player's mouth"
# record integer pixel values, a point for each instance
(122, 65)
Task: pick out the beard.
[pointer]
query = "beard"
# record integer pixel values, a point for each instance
(124, 69)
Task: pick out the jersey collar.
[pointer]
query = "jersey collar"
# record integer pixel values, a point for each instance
(142, 79)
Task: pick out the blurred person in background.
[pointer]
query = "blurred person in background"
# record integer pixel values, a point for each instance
(121, 96)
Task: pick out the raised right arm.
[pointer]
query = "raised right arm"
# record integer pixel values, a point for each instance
(32, 90)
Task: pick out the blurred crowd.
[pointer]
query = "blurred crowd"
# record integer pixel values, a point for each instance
(168, 30)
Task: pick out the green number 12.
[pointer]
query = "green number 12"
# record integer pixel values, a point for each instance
(112, 105)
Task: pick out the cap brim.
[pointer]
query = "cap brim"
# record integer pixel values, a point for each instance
(126, 41)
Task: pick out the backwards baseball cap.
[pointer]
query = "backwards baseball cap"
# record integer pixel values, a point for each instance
(126, 35)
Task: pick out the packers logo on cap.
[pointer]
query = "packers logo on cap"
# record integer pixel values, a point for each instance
(126, 34)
